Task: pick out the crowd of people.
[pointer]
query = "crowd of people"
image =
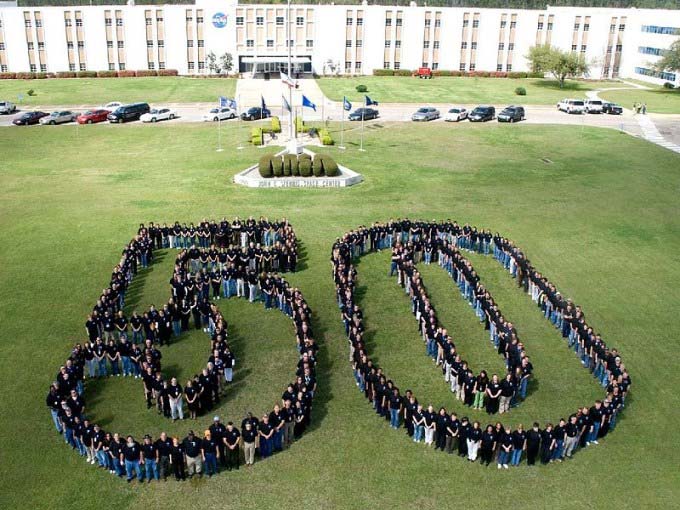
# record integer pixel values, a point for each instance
(443, 242)
(122, 346)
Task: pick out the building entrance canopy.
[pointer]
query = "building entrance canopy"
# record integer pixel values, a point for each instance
(275, 64)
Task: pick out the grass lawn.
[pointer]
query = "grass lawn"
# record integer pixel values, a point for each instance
(658, 99)
(97, 91)
(399, 89)
(603, 225)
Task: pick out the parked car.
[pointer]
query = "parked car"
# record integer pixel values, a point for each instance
(425, 114)
(112, 106)
(6, 107)
(456, 114)
(61, 117)
(92, 116)
(128, 112)
(572, 106)
(593, 106)
(424, 73)
(512, 114)
(612, 108)
(367, 113)
(28, 118)
(482, 114)
(158, 114)
(216, 114)
(255, 113)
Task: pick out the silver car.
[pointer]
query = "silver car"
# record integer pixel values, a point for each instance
(58, 118)
(426, 113)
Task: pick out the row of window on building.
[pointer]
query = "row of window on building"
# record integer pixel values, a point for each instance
(648, 50)
(656, 74)
(280, 21)
(653, 29)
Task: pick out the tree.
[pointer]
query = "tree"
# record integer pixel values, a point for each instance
(671, 59)
(224, 63)
(561, 64)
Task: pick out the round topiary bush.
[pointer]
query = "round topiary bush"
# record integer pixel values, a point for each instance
(520, 91)
(290, 165)
(362, 88)
(317, 167)
(265, 166)
(277, 166)
(305, 166)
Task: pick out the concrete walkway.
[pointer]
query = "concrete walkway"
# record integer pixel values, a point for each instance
(649, 129)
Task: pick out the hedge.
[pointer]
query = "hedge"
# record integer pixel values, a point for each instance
(277, 166)
(256, 136)
(305, 165)
(107, 74)
(327, 164)
(276, 125)
(126, 74)
(287, 164)
(147, 72)
(325, 137)
(265, 166)
(66, 74)
(383, 72)
(472, 74)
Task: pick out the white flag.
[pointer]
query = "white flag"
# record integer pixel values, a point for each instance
(286, 79)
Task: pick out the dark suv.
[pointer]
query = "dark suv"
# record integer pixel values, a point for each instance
(482, 114)
(128, 112)
(511, 114)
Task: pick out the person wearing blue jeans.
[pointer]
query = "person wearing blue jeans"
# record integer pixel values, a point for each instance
(53, 402)
(418, 424)
(210, 453)
(131, 456)
(519, 444)
(596, 419)
(150, 454)
(396, 406)
(505, 450)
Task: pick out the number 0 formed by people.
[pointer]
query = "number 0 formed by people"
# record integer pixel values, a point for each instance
(445, 243)
(245, 259)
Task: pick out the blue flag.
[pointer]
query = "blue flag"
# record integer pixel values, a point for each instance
(223, 102)
(370, 102)
(231, 103)
(286, 104)
(306, 102)
(346, 104)
(264, 105)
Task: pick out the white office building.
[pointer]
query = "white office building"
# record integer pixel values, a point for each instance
(330, 39)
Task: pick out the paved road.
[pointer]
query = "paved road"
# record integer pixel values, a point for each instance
(390, 113)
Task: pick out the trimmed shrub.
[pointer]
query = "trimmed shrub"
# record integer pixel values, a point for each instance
(516, 75)
(86, 74)
(362, 88)
(325, 137)
(66, 74)
(305, 165)
(520, 91)
(535, 75)
(8, 76)
(383, 72)
(304, 155)
(317, 168)
(146, 72)
(265, 166)
(668, 85)
(290, 165)
(30, 92)
(330, 167)
(277, 166)
(287, 164)
(106, 74)
(126, 74)
(256, 136)
(168, 72)
(25, 76)
(276, 125)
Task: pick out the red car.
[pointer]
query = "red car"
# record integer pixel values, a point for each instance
(92, 116)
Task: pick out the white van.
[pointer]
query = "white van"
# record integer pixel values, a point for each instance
(593, 106)
(572, 106)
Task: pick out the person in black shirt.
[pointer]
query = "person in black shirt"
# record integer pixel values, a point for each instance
(163, 446)
(231, 440)
(547, 444)
(249, 437)
(519, 444)
(488, 445)
(474, 439)
(150, 452)
(209, 453)
(192, 452)
(131, 456)
(177, 459)
(53, 402)
(533, 444)
(506, 445)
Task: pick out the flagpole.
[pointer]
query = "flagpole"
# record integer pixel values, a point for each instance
(219, 134)
(240, 124)
(342, 127)
(361, 146)
(292, 133)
